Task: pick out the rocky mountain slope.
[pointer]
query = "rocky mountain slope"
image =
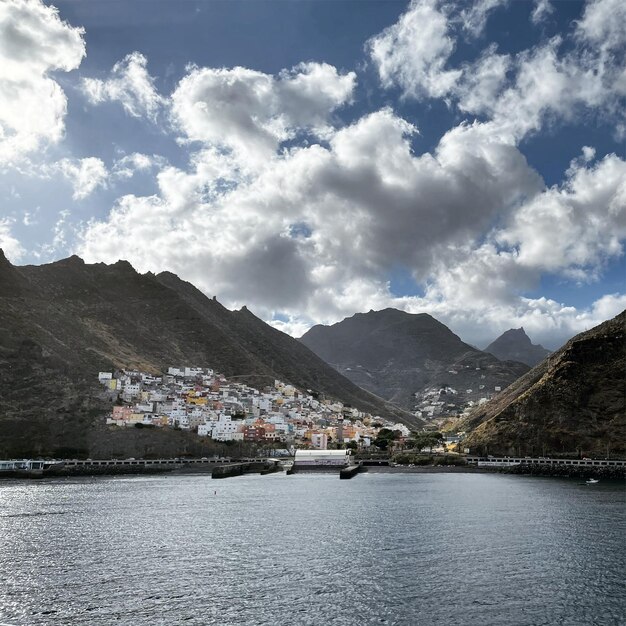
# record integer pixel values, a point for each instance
(573, 401)
(515, 345)
(397, 355)
(63, 322)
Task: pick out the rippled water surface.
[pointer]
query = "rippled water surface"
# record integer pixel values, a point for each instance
(311, 549)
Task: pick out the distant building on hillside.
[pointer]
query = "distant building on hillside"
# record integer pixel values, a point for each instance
(319, 441)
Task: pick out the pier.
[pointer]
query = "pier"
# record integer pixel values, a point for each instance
(351, 471)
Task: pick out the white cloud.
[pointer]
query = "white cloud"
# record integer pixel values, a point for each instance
(321, 227)
(541, 11)
(127, 166)
(307, 237)
(518, 95)
(546, 321)
(608, 306)
(413, 53)
(85, 175)
(33, 43)
(475, 18)
(292, 326)
(11, 246)
(310, 230)
(603, 24)
(567, 230)
(250, 113)
(483, 81)
(130, 84)
(574, 227)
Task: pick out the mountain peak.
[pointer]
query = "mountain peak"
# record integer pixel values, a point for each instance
(515, 345)
(396, 355)
(70, 261)
(124, 265)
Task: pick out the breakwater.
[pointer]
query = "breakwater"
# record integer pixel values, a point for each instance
(351, 471)
(238, 469)
(114, 467)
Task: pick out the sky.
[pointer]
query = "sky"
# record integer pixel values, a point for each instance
(315, 159)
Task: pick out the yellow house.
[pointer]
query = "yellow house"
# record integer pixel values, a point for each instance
(135, 418)
(196, 400)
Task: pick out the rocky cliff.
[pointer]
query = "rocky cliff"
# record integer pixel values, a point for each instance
(572, 402)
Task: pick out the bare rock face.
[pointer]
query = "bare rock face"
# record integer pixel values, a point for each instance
(573, 402)
(404, 357)
(63, 322)
(515, 345)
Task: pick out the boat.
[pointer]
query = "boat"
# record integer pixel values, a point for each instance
(591, 481)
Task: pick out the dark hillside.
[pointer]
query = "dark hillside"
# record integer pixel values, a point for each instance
(402, 357)
(573, 401)
(63, 322)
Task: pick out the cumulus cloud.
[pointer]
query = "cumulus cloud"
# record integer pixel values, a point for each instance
(322, 223)
(483, 81)
(34, 42)
(251, 113)
(85, 175)
(413, 53)
(575, 227)
(517, 94)
(130, 84)
(285, 209)
(572, 229)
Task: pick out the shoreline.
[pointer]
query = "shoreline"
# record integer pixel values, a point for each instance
(207, 468)
(427, 469)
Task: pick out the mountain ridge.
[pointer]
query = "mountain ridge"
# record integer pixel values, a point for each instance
(62, 322)
(396, 354)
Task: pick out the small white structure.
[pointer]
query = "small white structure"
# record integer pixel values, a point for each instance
(322, 458)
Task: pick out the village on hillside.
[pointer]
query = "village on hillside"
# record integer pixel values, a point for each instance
(203, 401)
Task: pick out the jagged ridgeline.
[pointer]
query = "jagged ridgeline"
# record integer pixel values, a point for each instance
(515, 345)
(573, 401)
(63, 322)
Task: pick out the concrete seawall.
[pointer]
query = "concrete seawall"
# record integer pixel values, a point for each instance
(238, 469)
(351, 471)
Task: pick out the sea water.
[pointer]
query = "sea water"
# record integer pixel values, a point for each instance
(395, 549)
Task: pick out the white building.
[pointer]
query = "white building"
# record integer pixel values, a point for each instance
(322, 458)
(319, 441)
(225, 429)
